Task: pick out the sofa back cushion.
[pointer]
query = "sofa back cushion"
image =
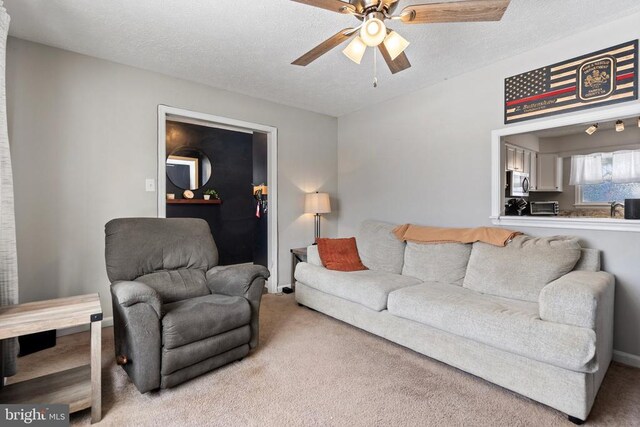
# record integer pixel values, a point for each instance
(589, 260)
(522, 268)
(313, 256)
(438, 262)
(379, 248)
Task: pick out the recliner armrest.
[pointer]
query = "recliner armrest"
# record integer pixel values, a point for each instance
(243, 281)
(577, 298)
(137, 310)
(235, 280)
(130, 293)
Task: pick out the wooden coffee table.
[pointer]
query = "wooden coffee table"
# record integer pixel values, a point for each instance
(79, 387)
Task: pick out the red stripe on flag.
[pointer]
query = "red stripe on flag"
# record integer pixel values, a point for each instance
(541, 96)
(625, 76)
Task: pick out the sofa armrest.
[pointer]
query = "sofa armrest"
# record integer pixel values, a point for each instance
(244, 281)
(578, 298)
(131, 293)
(137, 312)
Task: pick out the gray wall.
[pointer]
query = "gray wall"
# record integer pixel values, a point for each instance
(83, 135)
(425, 158)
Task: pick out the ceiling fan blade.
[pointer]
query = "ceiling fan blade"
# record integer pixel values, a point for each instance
(333, 5)
(396, 65)
(459, 11)
(324, 47)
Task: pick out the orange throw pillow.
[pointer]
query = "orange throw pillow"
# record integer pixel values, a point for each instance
(340, 254)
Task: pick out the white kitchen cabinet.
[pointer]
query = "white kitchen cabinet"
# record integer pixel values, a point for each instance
(510, 158)
(548, 173)
(517, 159)
(533, 170)
(519, 163)
(526, 161)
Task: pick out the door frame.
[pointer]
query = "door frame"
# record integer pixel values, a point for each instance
(165, 112)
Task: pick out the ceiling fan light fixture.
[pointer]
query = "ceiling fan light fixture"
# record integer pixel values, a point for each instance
(355, 50)
(395, 44)
(373, 32)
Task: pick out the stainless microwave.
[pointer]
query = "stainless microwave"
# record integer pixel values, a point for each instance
(544, 208)
(517, 184)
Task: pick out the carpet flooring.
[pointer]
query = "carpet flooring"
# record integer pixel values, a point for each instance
(312, 370)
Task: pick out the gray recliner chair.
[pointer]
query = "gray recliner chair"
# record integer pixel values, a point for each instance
(176, 315)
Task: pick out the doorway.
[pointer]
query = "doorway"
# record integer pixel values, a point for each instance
(231, 163)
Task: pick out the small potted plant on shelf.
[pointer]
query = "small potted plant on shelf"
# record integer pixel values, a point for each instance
(209, 193)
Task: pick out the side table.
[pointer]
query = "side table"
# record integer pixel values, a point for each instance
(79, 387)
(297, 255)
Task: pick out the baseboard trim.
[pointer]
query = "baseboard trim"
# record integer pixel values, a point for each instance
(106, 323)
(626, 358)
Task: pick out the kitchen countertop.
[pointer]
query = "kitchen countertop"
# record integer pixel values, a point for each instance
(591, 213)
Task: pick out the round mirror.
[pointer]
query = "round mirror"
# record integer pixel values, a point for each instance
(188, 168)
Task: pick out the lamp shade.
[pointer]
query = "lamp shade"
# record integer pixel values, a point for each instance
(355, 50)
(395, 44)
(373, 32)
(317, 203)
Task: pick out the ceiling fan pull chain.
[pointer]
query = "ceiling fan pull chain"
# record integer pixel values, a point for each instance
(375, 68)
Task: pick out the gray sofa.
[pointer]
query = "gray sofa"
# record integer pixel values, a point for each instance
(177, 315)
(535, 316)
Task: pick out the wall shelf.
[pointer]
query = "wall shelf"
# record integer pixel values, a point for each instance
(193, 202)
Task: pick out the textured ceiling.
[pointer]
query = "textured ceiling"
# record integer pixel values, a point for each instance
(247, 46)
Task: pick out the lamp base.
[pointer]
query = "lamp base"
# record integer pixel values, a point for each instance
(317, 228)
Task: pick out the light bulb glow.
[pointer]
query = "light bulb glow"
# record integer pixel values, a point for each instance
(395, 44)
(355, 50)
(373, 28)
(373, 32)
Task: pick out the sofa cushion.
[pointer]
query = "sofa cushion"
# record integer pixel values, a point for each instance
(379, 248)
(340, 254)
(439, 262)
(367, 287)
(522, 268)
(194, 319)
(509, 325)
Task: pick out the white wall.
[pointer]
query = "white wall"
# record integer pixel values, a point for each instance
(425, 158)
(83, 138)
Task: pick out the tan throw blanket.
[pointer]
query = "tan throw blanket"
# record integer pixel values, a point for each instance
(420, 234)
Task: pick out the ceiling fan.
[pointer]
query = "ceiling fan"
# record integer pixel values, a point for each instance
(373, 32)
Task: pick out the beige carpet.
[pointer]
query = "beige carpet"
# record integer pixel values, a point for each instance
(313, 370)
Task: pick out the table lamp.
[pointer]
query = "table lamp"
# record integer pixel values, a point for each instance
(317, 203)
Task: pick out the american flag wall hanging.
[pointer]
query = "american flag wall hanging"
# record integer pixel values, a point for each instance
(600, 78)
